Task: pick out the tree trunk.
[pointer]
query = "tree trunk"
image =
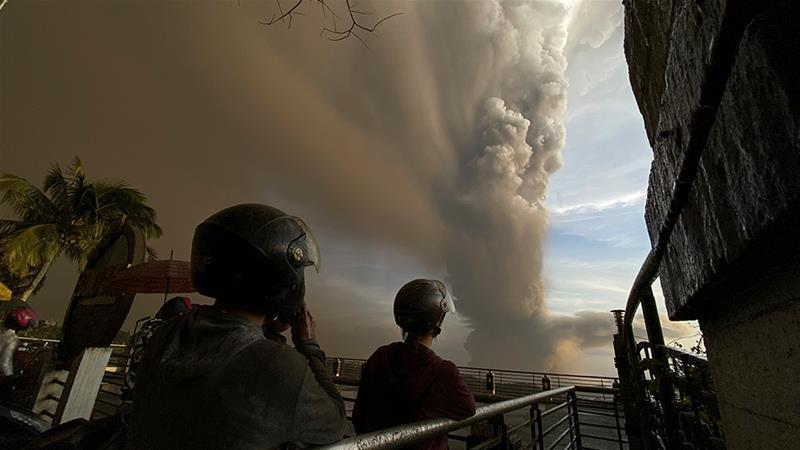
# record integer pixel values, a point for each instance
(37, 280)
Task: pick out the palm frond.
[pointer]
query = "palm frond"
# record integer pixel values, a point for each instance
(83, 199)
(81, 192)
(8, 226)
(30, 247)
(152, 254)
(77, 166)
(77, 175)
(26, 200)
(82, 250)
(58, 187)
(117, 200)
(82, 237)
(71, 215)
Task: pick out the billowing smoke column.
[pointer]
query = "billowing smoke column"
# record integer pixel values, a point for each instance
(477, 116)
(468, 99)
(495, 262)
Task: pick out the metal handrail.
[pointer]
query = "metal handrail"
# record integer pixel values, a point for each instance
(112, 382)
(414, 433)
(506, 371)
(58, 341)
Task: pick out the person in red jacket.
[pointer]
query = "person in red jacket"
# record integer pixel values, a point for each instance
(406, 381)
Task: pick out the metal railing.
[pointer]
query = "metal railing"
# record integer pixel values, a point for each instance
(540, 437)
(597, 397)
(496, 384)
(109, 398)
(601, 420)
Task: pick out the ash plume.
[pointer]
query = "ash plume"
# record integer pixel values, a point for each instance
(438, 140)
(494, 260)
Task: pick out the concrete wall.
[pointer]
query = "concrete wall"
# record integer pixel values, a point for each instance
(733, 261)
(755, 360)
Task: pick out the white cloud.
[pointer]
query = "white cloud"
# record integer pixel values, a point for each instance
(626, 201)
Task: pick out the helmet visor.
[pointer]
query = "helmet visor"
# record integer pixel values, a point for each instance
(448, 302)
(308, 243)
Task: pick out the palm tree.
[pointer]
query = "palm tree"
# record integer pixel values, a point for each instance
(70, 216)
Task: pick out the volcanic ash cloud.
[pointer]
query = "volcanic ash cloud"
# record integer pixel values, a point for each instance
(494, 255)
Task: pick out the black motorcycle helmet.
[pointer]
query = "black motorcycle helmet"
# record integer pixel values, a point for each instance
(420, 306)
(253, 256)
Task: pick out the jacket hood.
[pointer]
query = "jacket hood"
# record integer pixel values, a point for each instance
(195, 344)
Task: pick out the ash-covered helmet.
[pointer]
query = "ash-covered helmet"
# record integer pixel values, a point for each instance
(254, 256)
(420, 306)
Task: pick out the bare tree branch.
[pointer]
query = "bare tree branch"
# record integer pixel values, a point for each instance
(326, 7)
(332, 29)
(290, 13)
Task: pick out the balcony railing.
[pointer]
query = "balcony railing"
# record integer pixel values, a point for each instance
(567, 426)
(553, 400)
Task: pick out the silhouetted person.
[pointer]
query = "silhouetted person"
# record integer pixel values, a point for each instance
(405, 381)
(211, 379)
(18, 319)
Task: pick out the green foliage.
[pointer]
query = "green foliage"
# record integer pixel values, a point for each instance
(699, 347)
(69, 216)
(12, 281)
(43, 331)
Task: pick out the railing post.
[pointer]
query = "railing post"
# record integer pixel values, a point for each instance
(534, 408)
(660, 370)
(337, 367)
(569, 421)
(626, 360)
(505, 443)
(616, 419)
(573, 411)
(539, 428)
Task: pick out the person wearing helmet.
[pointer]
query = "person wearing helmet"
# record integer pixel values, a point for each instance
(211, 379)
(18, 319)
(406, 381)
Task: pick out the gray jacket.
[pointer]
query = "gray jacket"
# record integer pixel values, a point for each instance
(211, 380)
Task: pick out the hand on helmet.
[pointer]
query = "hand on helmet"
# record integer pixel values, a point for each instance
(305, 328)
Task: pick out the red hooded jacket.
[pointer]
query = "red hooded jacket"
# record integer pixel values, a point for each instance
(403, 383)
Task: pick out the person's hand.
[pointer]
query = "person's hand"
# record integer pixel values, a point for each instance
(305, 328)
(276, 325)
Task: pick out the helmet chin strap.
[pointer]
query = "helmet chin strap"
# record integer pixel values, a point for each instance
(437, 329)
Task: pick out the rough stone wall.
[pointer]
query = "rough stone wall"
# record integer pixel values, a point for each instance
(747, 183)
(733, 260)
(648, 26)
